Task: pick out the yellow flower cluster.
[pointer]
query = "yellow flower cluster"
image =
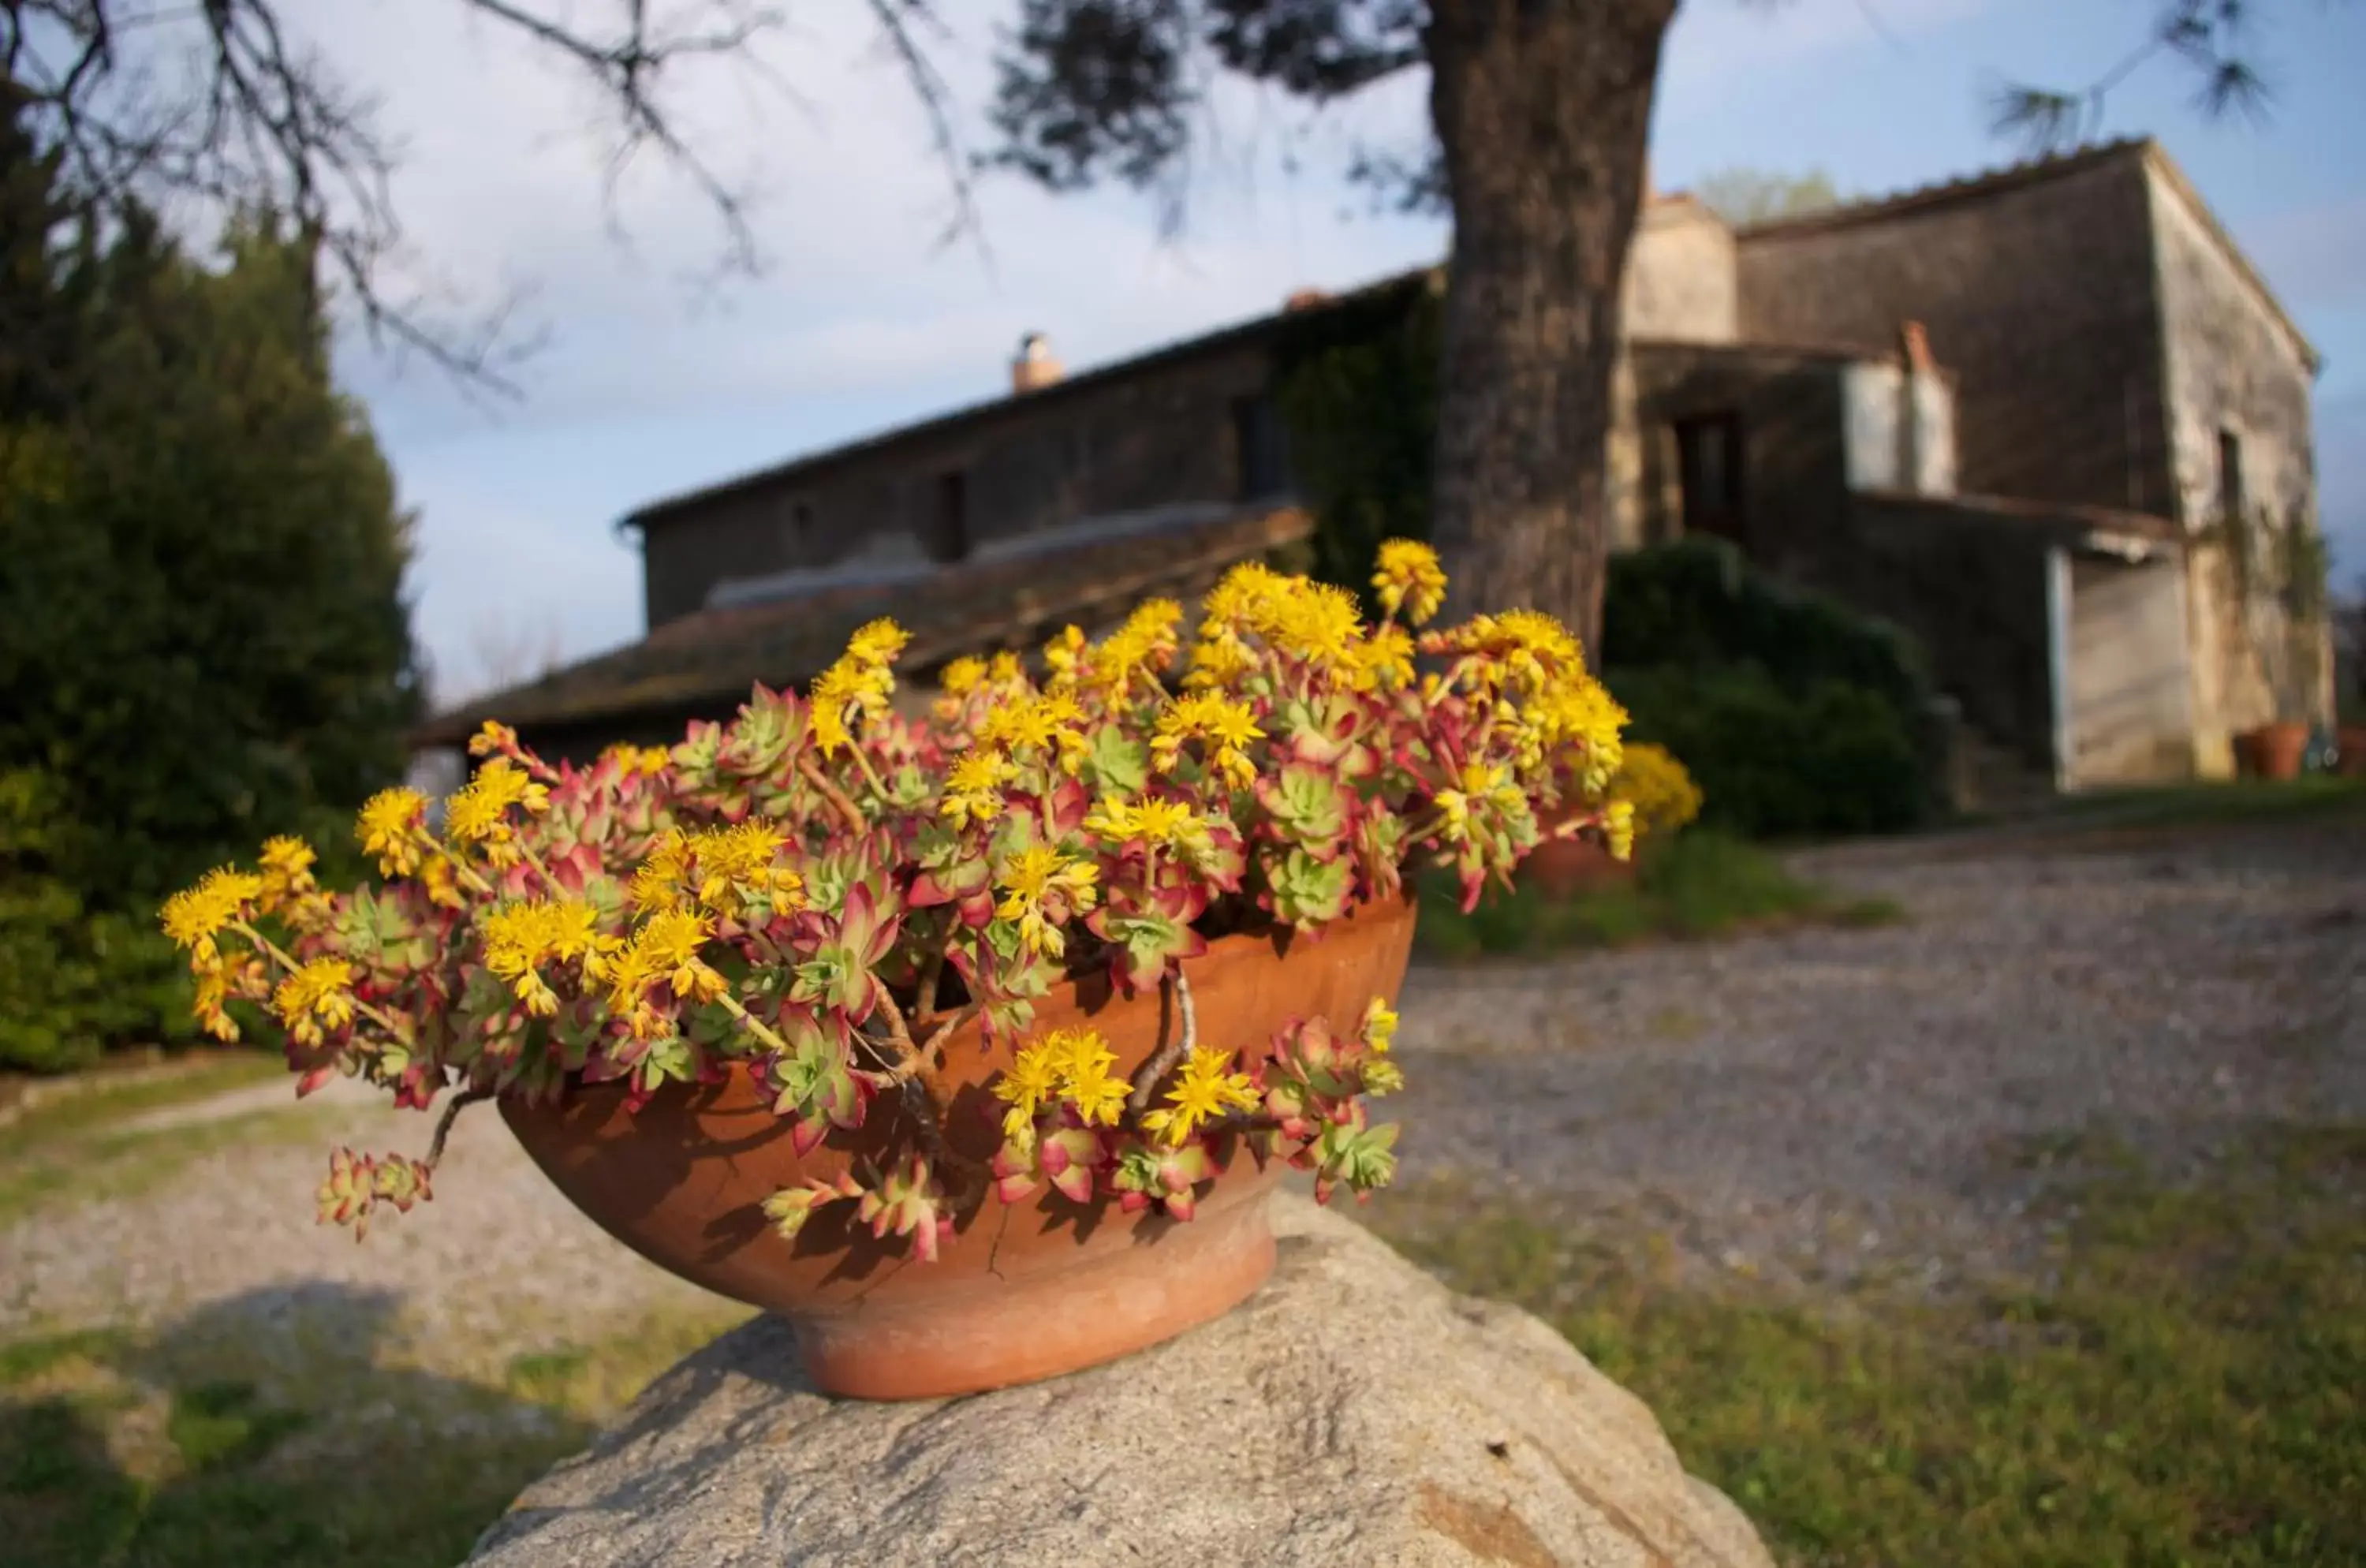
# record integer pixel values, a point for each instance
(1379, 1026)
(647, 761)
(1226, 723)
(1071, 1065)
(1205, 1090)
(1148, 822)
(1050, 723)
(317, 996)
(1041, 889)
(287, 872)
(721, 868)
(858, 686)
(194, 916)
(1145, 644)
(1408, 578)
(665, 950)
(973, 785)
(479, 812)
(1656, 786)
(389, 828)
(521, 937)
(1484, 786)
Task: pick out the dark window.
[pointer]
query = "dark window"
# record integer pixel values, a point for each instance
(1259, 448)
(948, 537)
(1709, 460)
(2230, 476)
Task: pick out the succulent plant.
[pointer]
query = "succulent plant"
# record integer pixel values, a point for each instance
(823, 891)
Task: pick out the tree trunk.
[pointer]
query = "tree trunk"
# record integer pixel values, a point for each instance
(1543, 109)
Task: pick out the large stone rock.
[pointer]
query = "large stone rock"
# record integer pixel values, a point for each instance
(1354, 1411)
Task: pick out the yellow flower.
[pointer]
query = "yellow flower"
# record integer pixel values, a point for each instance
(1045, 723)
(877, 642)
(318, 993)
(973, 787)
(1225, 723)
(1031, 1081)
(854, 685)
(1384, 659)
(657, 884)
(1063, 654)
(1218, 662)
(491, 737)
(1379, 1026)
(521, 937)
(1084, 1060)
(194, 916)
(442, 890)
(1204, 1091)
(1482, 784)
(1661, 793)
(478, 813)
(1318, 622)
(1148, 822)
(213, 990)
(1409, 578)
(389, 829)
(1618, 823)
(669, 944)
(1043, 888)
(1144, 643)
(963, 676)
(731, 863)
(648, 762)
(286, 872)
(1003, 671)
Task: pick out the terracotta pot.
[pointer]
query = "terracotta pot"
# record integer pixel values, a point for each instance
(1020, 1291)
(1559, 867)
(2351, 741)
(2272, 750)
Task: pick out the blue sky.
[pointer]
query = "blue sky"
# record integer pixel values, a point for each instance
(650, 383)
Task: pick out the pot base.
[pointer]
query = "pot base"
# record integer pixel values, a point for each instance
(1005, 1332)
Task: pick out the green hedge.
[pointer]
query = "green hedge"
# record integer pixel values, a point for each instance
(1777, 762)
(72, 979)
(1795, 714)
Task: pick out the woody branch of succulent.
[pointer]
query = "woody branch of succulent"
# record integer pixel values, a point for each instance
(823, 891)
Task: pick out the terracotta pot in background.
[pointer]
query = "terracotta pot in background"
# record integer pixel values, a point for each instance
(1020, 1291)
(2272, 750)
(1560, 867)
(2350, 740)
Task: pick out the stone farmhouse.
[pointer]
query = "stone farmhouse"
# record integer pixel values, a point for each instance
(2012, 413)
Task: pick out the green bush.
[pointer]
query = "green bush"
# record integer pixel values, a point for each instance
(1698, 605)
(1795, 715)
(1772, 762)
(72, 979)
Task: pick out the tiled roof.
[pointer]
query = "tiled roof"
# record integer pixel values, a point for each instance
(1009, 597)
(1964, 187)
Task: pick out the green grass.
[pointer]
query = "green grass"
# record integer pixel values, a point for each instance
(2231, 803)
(1700, 884)
(2193, 1389)
(71, 1107)
(197, 1449)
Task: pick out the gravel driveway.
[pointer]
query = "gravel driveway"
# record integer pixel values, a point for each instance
(1801, 1102)
(1806, 1104)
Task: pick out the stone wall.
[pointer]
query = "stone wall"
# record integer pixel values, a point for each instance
(2038, 296)
(1972, 589)
(1680, 274)
(1146, 435)
(2239, 380)
(1793, 425)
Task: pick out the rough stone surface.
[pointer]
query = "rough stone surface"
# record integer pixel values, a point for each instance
(1352, 1411)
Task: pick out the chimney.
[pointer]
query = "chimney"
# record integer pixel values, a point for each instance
(1915, 345)
(1034, 368)
(1304, 299)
